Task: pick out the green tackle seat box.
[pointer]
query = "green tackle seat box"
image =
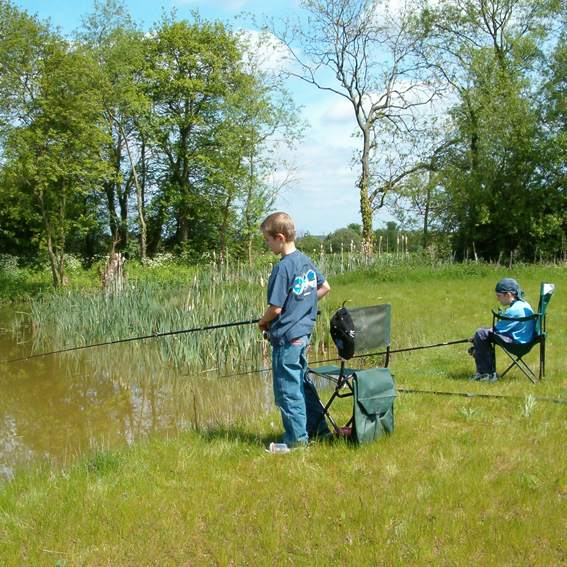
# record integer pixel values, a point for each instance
(374, 395)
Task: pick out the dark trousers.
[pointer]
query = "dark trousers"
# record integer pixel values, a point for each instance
(483, 357)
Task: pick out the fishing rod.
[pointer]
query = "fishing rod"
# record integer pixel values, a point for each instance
(408, 349)
(154, 336)
(432, 346)
(259, 370)
(145, 337)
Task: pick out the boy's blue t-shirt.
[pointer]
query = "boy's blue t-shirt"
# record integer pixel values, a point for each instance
(293, 286)
(519, 331)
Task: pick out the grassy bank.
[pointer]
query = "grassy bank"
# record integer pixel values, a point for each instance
(463, 481)
(460, 483)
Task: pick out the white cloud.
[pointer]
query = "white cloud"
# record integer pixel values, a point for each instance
(341, 112)
(327, 197)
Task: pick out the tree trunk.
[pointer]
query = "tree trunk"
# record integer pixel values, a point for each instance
(48, 239)
(62, 278)
(183, 228)
(109, 189)
(365, 204)
(139, 200)
(224, 227)
(112, 278)
(426, 213)
(250, 239)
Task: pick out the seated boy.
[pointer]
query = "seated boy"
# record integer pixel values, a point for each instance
(294, 288)
(508, 294)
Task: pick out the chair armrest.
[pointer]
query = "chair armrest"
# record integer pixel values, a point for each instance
(501, 317)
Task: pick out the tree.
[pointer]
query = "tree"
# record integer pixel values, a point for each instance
(343, 239)
(50, 140)
(415, 193)
(364, 53)
(264, 121)
(116, 45)
(551, 229)
(309, 244)
(190, 70)
(488, 52)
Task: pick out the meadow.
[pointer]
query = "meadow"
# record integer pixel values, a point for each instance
(463, 480)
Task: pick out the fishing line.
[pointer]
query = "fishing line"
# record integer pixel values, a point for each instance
(466, 395)
(154, 336)
(386, 352)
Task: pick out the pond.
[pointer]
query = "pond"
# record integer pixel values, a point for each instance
(55, 408)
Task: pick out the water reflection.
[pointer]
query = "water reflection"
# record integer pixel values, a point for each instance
(56, 407)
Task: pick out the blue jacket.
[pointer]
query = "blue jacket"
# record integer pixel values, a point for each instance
(518, 331)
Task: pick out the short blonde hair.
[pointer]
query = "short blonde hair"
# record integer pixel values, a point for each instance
(279, 223)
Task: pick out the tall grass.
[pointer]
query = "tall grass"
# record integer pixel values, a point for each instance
(157, 301)
(66, 321)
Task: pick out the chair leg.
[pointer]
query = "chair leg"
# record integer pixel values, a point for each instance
(542, 359)
(506, 371)
(518, 362)
(324, 409)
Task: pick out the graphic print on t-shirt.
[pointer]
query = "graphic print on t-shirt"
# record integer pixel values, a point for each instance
(304, 284)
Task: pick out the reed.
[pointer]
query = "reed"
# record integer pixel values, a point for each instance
(212, 296)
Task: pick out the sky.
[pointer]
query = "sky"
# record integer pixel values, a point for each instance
(325, 197)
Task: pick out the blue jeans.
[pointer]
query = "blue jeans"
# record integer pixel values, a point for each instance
(299, 406)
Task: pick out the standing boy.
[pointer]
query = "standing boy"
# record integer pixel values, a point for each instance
(508, 294)
(294, 288)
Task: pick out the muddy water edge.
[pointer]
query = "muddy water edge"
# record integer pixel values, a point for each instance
(55, 408)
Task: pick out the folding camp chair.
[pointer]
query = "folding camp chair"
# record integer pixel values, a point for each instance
(515, 351)
(372, 390)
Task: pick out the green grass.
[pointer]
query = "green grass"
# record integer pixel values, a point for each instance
(459, 483)
(463, 481)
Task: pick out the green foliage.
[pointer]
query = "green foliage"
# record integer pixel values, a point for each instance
(309, 244)
(343, 239)
(158, 142)
(51, 140)
(21, 280)
(170, 141)
(356, 227)
(500, 191)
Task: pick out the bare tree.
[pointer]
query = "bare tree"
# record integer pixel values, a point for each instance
(371, 56)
